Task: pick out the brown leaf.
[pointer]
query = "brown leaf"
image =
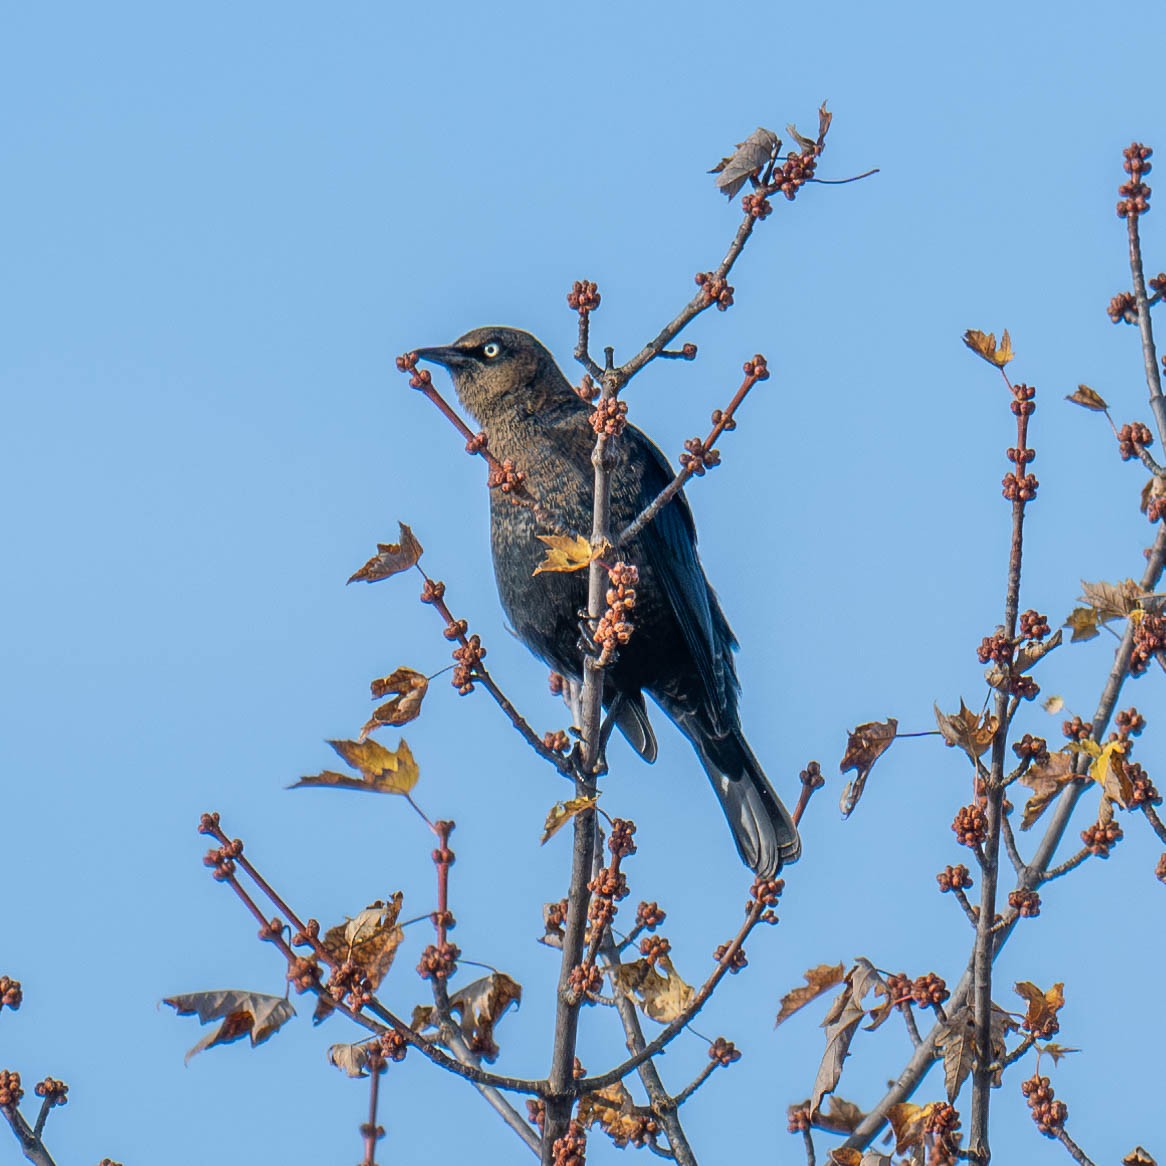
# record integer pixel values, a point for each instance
(999, 678)
(841, 1022)
(841, 1116)
(369, 939)
(382, 771)
(1088, 398)
(844, 1156)
(562, 812)
(957, 1043)
(1083, 621)
(818, 980)
(1053, 704)
(747, 161)
(966, 729)
(390, 559)
(1112, 600)
(984, 345)
(350, 1059)
(1046, 780)
(909, 1122)
(865, 745)
(1107, 768)
(1056, 1051)
(478, 1007)
(565, 553)
(613, 1110)
(242, 1014)
(825, 117)
(1042, 1006)
(658, 989)
(1137, 1156)
(409, 687)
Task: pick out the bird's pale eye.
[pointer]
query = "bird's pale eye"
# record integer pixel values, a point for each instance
(491, 350)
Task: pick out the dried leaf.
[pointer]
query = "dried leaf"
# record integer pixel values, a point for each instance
(613, 1110)
(250, 1014)
(409, 687)
(350, 1059)
(841, 1023)
(844, 1156)
(1112, 600)
(1042, 1006)
(1083, 621)
(478, 1007)
(1053, 704)
(1107, 768)
(1137, 1156)
(390, 559)
(967, 730)
(1088, 398)
(957, 1042)
(382, 771)
(818, 980)
(841, 1116)
(1057, 1052)
(369, 939)
(562, 812)
(747, 161)
(909, 1122)
(658, 990)
(825, 117)
(1046, 780)
(1153, 490)
(865, 745)
(984, 345)
(565, 553)
(1000, 678)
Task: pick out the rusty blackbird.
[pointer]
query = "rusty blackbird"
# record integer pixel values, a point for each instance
(681, 652)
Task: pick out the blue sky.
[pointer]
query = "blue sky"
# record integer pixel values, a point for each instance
(223, 222)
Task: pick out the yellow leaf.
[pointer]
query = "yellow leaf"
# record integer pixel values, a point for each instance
(1004, 354)
(1088, 398)
(909, 1121)
(818, 980)
(382, 771)
(984, 345)
(565, 553)
(1043, 1007)
(1083, 621)
(562, 812)
(1107, 767)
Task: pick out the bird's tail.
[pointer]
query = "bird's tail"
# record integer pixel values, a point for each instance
(763, 828)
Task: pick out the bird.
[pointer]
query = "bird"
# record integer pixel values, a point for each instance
(681, 650)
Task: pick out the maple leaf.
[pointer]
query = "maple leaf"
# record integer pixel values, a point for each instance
(252, 1014)
(368, 939)
(382, 771)
(478, 1007)
(818, 980)
(409, 688)
(967, 730)
(957, 1043)
(1083, 621)
(865, 745)
(1046, 780)
(1088, 398)
(562, 812)
(840, 1116)
(390, 559)
(1107, 767)
(909, 1123)
(613, 1109)
(841, 1022)
(1042, 1006)
(747, 161)
(984, 345)
(1112, 600)
(1137, 1156)
(565, 553)
(657, 989)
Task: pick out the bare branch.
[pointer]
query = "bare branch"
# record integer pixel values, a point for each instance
(30, 1144)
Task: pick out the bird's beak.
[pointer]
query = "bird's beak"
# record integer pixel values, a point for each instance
(448, 356)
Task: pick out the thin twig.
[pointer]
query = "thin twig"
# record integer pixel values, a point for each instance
(30, 1145)
(808, 1143)
(1075, 1152)
(1018, 1052)
(912, 1027)
(1154, 820)
(1018, 863)
(1146, 329)
(962, 898)
(1066, 866)
(695, 1083)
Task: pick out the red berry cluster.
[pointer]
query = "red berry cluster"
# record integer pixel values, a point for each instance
(796, 171)
(756, 369)
(1156, 508)
(798, 1118)
(736, 963)
(1158, 282)
(587, 389)
(303, 974)
(1145, 793)
(1123, 306)
(557, 683)
(1135, 194)
(477, 443)
(724, 1052)
(554, 917)
(536, 1113)
(1026, 903)
(1033, 625)
(469, 660)
(393, 1046)
(1048, 1114)
(929, 990)
(610, 416)
(1130, 722)
(585, 982)
(1133, 438)
(1023, 404)
(571, 1148)
(10, 1090)
(583, 297)
(614, 627)
(10, 993)
(654, 948)
(970, 826)
(1019, 487)
(438, 962)
(556, 741)
(899, 989)
(765, 892)
(1160, 869)
(1077, 729)
(506, 478)
(943, 1120)
(649, 915)
(621, 842)
(756, 206)
(811, 776)
(954, 878)
(1149, 640)
(1101, 838)
(1030, 748)
(716, 291)
(996, 648)
(222, 860)
(53, 1091)
(697, 457)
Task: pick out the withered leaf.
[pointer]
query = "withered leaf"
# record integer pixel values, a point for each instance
(382, 771)
(562, 812)
(747, 161)
(478, 1006)
(967, 730)
(1112, 600)
(613, 1110)
(1042, 1006)
(1046, 780)
(252, 1014)
(1154, 490)
(865, 745)
(909, 1122)
(1024, 659)
(409, 688)
(846, 1156)
(390, 559)
(369, 940)
(1088, 398)
(840, 1115)
(565, 553)
(984, 345)
(1137, 1156)
(1107, 767)
(957, 1042)
(350, 1059)
(1056, 1051)
(658, 990)
(1053, 704)
(1083, 621)
(818, 980)
(841, 1022)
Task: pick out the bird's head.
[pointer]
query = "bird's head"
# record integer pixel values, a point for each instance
(499, 371)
